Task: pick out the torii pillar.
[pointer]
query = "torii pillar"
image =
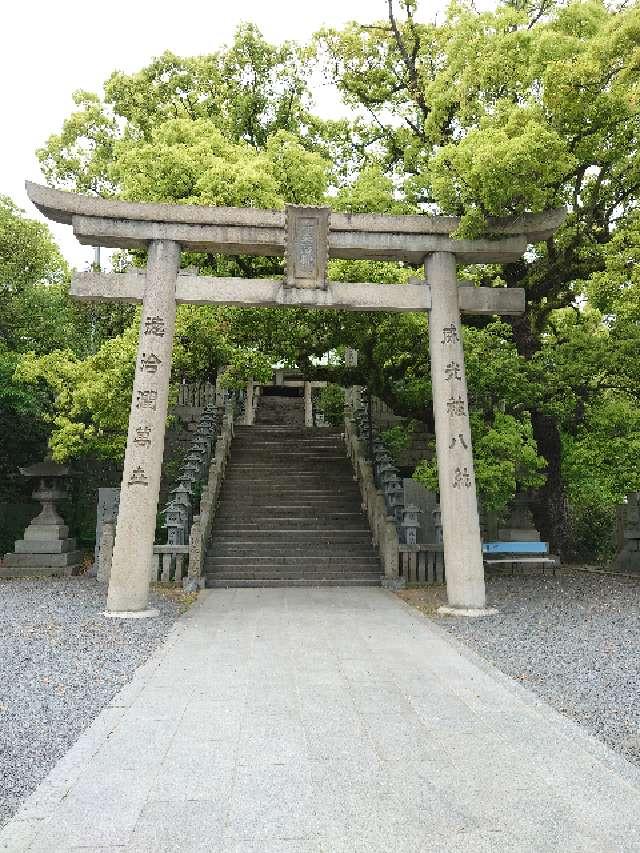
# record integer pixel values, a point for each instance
(140, 489)
(458, 502)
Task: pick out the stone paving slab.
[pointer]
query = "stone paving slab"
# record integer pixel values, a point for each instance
(326, 721)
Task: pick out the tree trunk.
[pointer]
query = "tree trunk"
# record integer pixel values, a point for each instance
(550, 507)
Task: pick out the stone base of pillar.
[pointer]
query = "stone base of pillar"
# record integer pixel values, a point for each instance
(193, 584)
(131, 614)
(40, 571)
(393, 584)
(471, 612)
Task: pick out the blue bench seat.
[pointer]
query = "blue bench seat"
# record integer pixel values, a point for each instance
(513, 553)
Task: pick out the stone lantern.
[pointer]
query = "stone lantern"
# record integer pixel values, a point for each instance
(46, 548)
(387, 471)
(410, 524)
(196, 460)
(378, 445)
(394, 496)
(360, 417)
(206, 434)
(181, 495)
(175, 523)
(192, 468)
(381, 458)
(201, 444)
(437, 523)
(186, 479)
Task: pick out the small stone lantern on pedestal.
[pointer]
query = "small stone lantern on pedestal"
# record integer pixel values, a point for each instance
(182, 496)
(175, 523)
(206, 434)
(437, 523)
(394, 495)
(410, 524)
(381, 459)
(195, 460)
(387, 471)
(201, 443)
(186, 479)
(46, 548)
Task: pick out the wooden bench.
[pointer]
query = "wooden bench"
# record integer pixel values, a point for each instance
(503, 553)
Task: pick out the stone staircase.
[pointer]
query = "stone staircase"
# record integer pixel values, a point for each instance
(290, 512)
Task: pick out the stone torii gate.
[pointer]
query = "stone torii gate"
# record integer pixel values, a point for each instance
(307, 236)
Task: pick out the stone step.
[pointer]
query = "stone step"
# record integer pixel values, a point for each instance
(282, 472)
(300, 560)
(277, 498)
(290, 511)
(267, 493)
(290, 461)
(230, 583)
(281, 441)
(344, 550)
(309, 522)
(321, 470)
(264, 514)
(316, 468)
(278, 573)
(266, 520)
(292, 485)
(317, 504)
(311, 535)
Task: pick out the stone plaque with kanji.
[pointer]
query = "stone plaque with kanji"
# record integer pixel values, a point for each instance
(307, 246)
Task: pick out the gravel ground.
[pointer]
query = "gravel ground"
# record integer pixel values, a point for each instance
(573, 639)
(62, 661)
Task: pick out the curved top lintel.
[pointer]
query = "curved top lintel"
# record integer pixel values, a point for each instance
(62, 206)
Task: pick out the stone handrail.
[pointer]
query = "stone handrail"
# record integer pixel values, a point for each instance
(201, 526)
(383, 529)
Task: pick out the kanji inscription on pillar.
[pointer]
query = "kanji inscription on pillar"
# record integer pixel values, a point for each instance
(458, 440)
(150, 362)
(461, 478)
(154, 326)
(138, 477)
(455, 406)
(452, 371)
(146, 399)
(142, 436)
(450, 335)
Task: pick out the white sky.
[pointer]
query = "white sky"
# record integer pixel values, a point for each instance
(49, 49)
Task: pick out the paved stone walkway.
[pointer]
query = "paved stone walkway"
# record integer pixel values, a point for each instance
(337, 720)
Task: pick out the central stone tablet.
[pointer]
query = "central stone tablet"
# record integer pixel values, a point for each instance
(307, 246)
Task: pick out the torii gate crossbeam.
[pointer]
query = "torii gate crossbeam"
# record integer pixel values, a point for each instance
(307, 236)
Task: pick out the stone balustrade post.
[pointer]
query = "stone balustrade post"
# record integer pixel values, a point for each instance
(389, 548)
(308, 405)
(248, 406)
(106, 551)
(196, 555)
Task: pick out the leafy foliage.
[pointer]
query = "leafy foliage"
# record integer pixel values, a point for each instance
(527, 106)
(331, 404)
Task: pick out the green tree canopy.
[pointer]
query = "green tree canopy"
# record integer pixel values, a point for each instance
(531, 105)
